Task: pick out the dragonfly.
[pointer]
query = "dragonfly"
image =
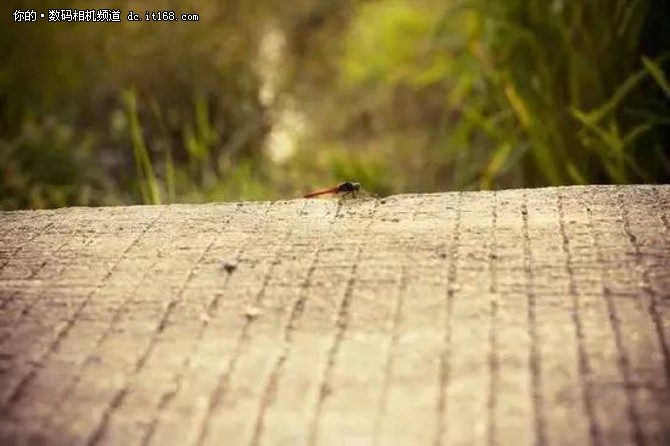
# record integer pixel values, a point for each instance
(343, 189)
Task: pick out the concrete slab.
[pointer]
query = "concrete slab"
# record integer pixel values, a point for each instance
(536, 316)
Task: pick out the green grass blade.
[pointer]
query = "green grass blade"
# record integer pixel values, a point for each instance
(657, 73)
(145, 171)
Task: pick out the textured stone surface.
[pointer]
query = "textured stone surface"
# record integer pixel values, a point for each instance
(516, 317)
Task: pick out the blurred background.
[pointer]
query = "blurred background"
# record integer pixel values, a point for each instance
(264, 99)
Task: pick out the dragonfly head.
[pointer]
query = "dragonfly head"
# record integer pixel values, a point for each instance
(348, 186)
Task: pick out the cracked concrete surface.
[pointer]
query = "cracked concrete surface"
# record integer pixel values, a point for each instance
(535, 316)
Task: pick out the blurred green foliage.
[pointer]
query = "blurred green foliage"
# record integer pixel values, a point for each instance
(262, 100)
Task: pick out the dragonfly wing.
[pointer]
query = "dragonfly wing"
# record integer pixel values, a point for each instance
(364, 193)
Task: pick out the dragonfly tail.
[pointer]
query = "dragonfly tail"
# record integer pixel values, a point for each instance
(331, 190)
